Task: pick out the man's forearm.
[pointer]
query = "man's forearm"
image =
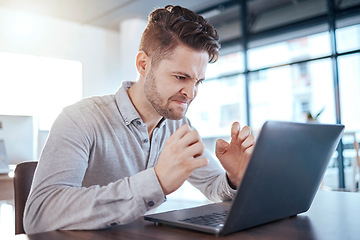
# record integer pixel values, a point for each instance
(63, 207)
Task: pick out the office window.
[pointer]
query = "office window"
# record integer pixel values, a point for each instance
(349, 80)
(219, 103)
(348, 38)
(289, 79)
(290, 92)
(220, 100)
(38, 86)
(299, 49)
(349, 86)
(226, 64)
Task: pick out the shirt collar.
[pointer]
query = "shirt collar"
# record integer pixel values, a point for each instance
(126, 107)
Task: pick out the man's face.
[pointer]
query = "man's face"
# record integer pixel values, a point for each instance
(173, 84)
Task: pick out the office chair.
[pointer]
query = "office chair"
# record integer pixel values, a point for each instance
(24, 173)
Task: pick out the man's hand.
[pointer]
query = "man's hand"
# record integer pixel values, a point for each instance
(179, 158)
(234, 156)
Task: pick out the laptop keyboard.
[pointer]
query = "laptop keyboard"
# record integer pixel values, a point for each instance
(211, 220)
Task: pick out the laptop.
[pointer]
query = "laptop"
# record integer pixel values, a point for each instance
(281, 180)
(4, 162)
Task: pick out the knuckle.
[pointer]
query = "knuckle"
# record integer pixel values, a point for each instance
(249, 151)
(252, 137)
(202, 146)
(186, 127)
(199, 146)
(195, 133)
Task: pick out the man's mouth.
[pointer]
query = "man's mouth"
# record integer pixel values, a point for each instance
(182, 103)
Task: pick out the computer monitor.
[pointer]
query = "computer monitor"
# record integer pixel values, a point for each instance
(19, 136)
(4, 162)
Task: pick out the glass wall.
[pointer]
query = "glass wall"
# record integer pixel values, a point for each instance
(287, 74)
(219, 103)
(348, 38)
(349, 79)
(290, 80)
(349, 85)
(304, 48)
(291, 92)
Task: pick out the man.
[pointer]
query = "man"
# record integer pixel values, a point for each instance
(110, 159)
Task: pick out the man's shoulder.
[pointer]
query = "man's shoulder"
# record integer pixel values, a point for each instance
(91, 103)
(85, 112)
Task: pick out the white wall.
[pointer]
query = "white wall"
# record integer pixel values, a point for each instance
(130, 35)
(97, 49)
(107, 57)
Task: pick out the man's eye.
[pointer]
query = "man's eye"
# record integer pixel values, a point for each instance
(180, 77)
(199, 82)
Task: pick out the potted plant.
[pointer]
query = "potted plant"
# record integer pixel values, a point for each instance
(314, 118)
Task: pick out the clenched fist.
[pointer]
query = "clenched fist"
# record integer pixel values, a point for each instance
(179, 158)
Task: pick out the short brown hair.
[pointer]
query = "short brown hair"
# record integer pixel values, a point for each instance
(174, 25)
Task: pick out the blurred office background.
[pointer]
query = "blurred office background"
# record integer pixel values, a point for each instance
(280, 60)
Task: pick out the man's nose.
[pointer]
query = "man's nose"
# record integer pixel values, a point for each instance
(189, 91)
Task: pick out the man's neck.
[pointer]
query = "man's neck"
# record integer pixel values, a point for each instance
(149, 116)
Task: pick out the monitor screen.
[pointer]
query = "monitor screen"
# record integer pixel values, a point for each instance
(18, 134)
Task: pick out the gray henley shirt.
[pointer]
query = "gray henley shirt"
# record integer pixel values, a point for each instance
(97, 168)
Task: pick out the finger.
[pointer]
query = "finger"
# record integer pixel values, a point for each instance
(248, 142)
(190, 138)
(235, 128)
(181, 132)
(249, 150)
(244, 133)
(221, 147)
(195, 150)
(197, 163)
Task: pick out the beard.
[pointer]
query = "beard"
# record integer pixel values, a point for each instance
(163, 109)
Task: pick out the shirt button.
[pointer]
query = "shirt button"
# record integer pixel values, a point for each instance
(151, 203)
(146, 140)
(138, 122)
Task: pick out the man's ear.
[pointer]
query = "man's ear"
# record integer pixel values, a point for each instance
(142, 63)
